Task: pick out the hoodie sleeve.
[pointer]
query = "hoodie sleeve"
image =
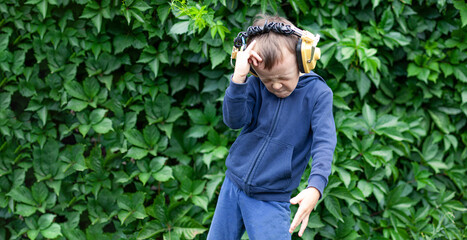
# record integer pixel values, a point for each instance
(239, 101)
(324, 141)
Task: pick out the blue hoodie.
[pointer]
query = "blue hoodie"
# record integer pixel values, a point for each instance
(278, 137)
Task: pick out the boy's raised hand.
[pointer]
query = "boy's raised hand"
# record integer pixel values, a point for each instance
(244, 59)
(307, 200)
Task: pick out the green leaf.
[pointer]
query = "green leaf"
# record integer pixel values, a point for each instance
(4, 39)
(151, 229)
(138, 15)
(387, 21)
(375, 3)
(365, 187)
(141, 5)
(32, 234)
(197, 116)
(344, 176)
(347, 52)
(151, 135)
(217, 56)
(363, 84)
(441, 120)
(84, 129)
(43, 114)
(22, 194)
(162, 12)
(104, 126)
(462, 7)
(45, 221)
(132, 206)
(42, 7)
(332, 205)
(5, 100)
(154, 65)
(76, 90)
(91, 87)
(76, 105)
(163, 175)
(180, 27)
(198, 131)
(137, 153)
(413, 70)
(97, 115)
(369, 114)
(39, 192)
(52, 232)
(135, 138)
(386, 121)
(399, 38)
(97, 21)
(201, 201)
(460, 72)
(188, 228)
(25, 210)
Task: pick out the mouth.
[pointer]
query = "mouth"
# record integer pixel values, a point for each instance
(282, 94)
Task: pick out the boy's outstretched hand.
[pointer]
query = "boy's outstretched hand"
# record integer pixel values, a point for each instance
(245, 57)
(307, 200)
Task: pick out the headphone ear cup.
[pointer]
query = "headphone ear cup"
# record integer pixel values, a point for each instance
(309, 55)
(298, 53)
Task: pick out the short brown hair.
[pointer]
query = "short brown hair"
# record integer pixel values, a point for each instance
(270, 45)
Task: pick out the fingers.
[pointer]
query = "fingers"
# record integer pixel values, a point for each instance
(253, 56)
(250, 47)
(297, 219)
(256, 55)
(297, 199)
(303, 226)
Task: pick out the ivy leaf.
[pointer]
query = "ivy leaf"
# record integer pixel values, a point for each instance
(363, 84)
(22, 194)
(43, 114)
(45, 221)
(163, 12)
(53, 231)
(154, 65)
(103, 126)
(217, 56)
(387, 21)
(97, 115)
(332, 204)
(163, 175)
(76, 90)
(39, 192)
(462, 7)
(180, 27)
(135, 138)
(137, 153)
(151, 229)
(441, 120)
(201, 201)
(76, 105)
(369, 114)
(198, 131)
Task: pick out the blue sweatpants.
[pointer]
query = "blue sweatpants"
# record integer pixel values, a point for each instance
(235, 212)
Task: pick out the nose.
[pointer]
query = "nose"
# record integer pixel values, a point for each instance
(276, 86)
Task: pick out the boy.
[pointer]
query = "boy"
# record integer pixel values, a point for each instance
(286, 118)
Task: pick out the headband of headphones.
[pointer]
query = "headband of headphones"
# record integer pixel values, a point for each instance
(306, 54)
(280, 28)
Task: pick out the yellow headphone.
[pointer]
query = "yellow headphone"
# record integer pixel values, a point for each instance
(306, 50)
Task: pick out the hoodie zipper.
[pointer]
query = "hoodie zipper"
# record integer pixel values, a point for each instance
(263, 147)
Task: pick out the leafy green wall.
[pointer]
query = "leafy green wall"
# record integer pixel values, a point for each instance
(111, 123)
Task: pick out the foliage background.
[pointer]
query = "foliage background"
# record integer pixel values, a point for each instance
(110, 116)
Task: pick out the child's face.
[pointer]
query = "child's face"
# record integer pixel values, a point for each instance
(282, 79)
